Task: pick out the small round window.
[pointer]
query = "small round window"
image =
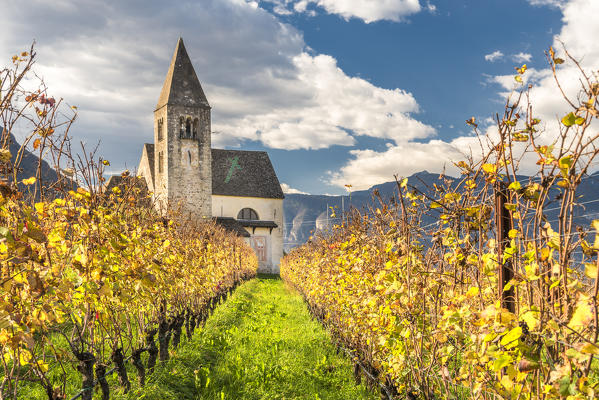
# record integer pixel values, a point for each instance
(247, 213)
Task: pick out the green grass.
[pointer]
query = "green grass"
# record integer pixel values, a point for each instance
(259, 344)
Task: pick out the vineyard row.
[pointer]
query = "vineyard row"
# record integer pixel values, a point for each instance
(89, 281)
(484, 286)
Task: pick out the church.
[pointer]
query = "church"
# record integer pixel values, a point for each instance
(238, 189)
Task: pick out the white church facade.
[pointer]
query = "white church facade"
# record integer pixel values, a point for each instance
(238, 189)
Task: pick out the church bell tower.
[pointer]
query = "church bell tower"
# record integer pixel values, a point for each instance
(182, 148)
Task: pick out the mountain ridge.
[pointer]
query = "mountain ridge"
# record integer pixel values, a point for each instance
(306, 214)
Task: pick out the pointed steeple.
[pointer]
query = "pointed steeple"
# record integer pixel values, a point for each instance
(181, 86)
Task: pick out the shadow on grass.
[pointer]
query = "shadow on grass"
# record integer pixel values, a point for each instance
(269, 276)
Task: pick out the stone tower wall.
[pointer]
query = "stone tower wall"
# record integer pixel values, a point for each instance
(160, 155)
(145, 169)
(185, 183)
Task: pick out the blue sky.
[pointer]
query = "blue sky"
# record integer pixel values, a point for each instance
(337, 91)
(437, 56)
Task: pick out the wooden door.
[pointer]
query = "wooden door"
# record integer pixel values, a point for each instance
(258, 243)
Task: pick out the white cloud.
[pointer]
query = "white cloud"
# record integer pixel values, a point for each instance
(551, 3)
(509, 84)
(383, 113)
(579, 29)
(369, 167)
(366, 10)
(338, 104)
(522, 57)
(494, 56)
(280, 7)
(110, 59)
(288, 189)
(578, 32)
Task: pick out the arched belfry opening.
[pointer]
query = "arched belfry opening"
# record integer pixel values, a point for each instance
(196, 123)
(188, 128)
(181, 128)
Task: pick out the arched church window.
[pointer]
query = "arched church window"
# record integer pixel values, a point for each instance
(160, 136)
(188, 128)
(247, 213)
(181, 128)
(189, 156)
(195, 128)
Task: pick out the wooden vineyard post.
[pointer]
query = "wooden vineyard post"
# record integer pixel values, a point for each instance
(503, 222)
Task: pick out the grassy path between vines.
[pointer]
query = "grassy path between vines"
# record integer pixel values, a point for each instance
(259, 344)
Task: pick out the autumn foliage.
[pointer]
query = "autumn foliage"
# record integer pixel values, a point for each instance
(417, 302)
(91, 278)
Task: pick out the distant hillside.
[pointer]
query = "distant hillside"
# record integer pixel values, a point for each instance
(306, 214)
(29, 163)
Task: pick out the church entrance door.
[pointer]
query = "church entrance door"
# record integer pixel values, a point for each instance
(258, 243)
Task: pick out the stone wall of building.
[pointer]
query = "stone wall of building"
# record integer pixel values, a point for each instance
(144, 171)
(268, 210)
(160, 154)
(185, 177)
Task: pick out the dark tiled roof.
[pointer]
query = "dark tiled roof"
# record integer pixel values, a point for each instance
(257, 223)
(113, 181)
(181, 86)
(244, 174)
(126, 182)
(232, 225)
(149, 147)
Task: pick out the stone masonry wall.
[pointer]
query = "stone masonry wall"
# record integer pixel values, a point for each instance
(267, 210)
(160, 154)
(143, 170)
(187, 170)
